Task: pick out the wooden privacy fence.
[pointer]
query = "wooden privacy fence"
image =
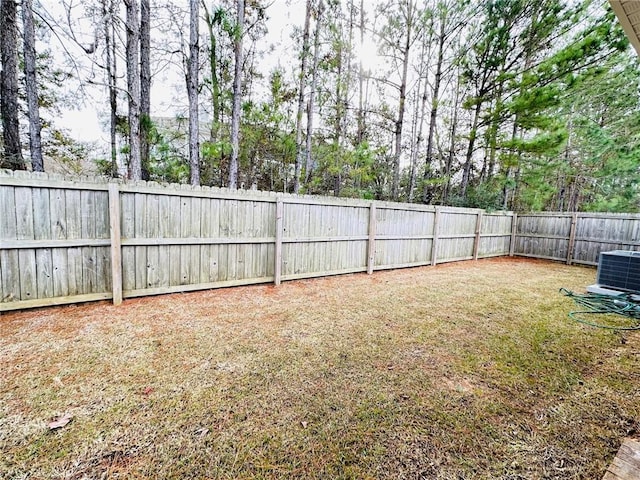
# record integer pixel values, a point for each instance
(67, 241)
(74, 240)
(575, 237)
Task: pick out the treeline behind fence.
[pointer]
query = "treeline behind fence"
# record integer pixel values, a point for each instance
(67, 241)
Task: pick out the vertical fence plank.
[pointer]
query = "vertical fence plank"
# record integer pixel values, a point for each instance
(88, 231)
(116, 251)
(174, 231)
(269, 230)
(314, 230)
(103, 264)
(63, 282)
(333, 254)
(73, 231)
(476, 240)
(260, 219)
(164, 231)
(185, 232)
(232, 248)
(371, 249)
(9, 276)
(195, 232)
(323, 227)
(292, 227)
(223, 250)
(243, 224)
(572, 238)
(153, 231)
(278, 246)
(205, 231)
(42, 231)
(24, 230)
(434, 243)
(514, 228)
(214, 232)
(140, 231)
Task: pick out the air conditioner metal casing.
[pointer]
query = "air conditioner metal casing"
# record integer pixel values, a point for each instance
(619, 270)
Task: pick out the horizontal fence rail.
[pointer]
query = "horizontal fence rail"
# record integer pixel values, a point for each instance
(75, 240)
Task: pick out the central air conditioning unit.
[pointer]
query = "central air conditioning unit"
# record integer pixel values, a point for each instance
(619, 270)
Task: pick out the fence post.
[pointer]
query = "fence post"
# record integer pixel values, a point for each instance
(277, 271)
(476, 241)
(434, 243)
(116, 247)
(514, 228)
(572, 238)
(371, 245)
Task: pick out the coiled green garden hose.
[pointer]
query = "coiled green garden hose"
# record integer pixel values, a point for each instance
(625, 305)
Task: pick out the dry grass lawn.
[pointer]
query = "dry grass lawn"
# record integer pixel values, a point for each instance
(463, 371)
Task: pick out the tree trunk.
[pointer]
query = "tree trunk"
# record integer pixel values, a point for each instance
(145, 85)
(574, 197)
(361, 124)
(35, 145)
(516, 131)
(413, 154)
(493, 143)
(12, 158)
(303, 76)
(337, 123)
(312, 92)
(416, 132)
(133, 85)
(452, 146)
(213, 71)
(466, 171)
(421, 106)
(192, 93)
(434, 106)
(562, 188)
(395, 187)
(110, 45)
(347, 79)
(508, 170)
(398, 130)
(237, 97)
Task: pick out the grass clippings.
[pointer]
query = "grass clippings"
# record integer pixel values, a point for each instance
(463, 371)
